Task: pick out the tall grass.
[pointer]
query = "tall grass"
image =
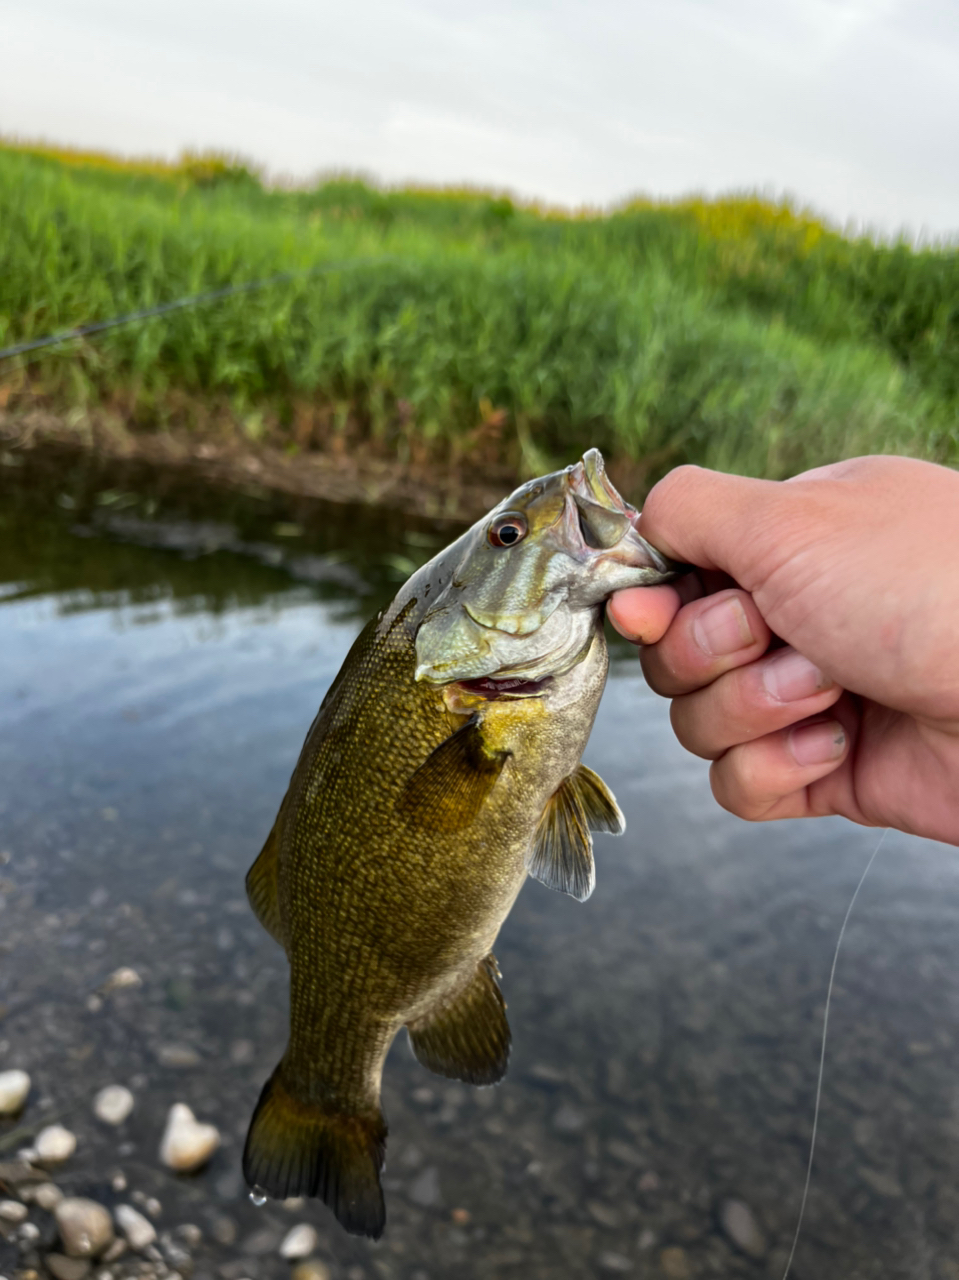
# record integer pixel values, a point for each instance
(734, 333)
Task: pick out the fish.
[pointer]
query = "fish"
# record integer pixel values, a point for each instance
(441, 771)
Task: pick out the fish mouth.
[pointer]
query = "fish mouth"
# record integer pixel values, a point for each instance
(492, 689)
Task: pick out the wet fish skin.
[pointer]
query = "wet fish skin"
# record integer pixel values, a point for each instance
(443, 767)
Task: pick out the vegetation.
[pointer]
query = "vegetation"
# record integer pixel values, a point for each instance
(458, 325)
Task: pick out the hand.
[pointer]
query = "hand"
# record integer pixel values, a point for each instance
(855, 567)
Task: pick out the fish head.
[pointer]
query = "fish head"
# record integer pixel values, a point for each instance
(520, 593)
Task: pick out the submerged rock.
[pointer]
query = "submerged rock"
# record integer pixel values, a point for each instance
(63, 1268)
(54, 1144)
(86, 1227)
(187, 1144)
(113, 1104)
(14, 1087)
(311, 1269)
(299, 1242)
(121, 978)
(48, 1195)
(139, 1231)
(14, 1211)
(740, 1227)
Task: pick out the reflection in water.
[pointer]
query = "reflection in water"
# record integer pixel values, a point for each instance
(153, 699)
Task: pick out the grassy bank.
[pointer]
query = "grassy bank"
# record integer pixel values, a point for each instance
(457, 326)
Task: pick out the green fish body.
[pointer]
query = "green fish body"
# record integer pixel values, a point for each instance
(443, 767)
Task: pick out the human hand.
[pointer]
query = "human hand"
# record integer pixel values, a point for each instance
(855, 566)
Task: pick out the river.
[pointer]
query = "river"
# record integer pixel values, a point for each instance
(163, 649)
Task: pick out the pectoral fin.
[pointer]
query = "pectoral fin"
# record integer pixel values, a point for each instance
(468, 1037)
(261, 886)
(562, 852)
(448, 789)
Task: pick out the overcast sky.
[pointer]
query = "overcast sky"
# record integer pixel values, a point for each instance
(852, 106)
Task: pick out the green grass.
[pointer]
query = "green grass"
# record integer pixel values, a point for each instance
(457, 325)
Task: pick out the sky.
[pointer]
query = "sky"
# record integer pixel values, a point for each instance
(851, 107)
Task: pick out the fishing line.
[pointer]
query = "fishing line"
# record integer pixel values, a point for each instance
(192, 300)
(822, 1052)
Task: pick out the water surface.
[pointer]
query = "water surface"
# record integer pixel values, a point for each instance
(162, 653)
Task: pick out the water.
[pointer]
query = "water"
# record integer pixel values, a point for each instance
(162, 653)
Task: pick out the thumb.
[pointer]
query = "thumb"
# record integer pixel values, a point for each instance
(713, 521)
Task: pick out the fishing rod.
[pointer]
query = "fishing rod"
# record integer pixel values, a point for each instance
(179, 304)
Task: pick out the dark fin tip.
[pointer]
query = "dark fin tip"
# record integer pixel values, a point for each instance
(467, 1038)
(297, 1149)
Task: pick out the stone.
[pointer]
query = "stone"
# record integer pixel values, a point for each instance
(674, 1263)
(299, 1242)
(605, 1214)
(54, 1144)
(884, 1184)
(14, 1087)
(119, 979)
(47, 1195)
(311, 1269)
(425, 1188)
(113, 1104)
(611, 1261)
(568, 1119)
(139, 1231)
(224, 1230)
(189, 1233)
(116, 1251)
(86, 1228)
(13, 1211)
(187, 1144)
(178, 1056)
(739, 1226)
(64, 1268)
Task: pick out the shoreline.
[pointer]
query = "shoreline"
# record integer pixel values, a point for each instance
(435, 491)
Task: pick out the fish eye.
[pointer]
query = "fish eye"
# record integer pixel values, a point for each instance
(508, 529)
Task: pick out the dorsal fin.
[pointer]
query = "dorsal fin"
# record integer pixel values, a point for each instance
(467, 1038)
(562, 852)
(262, 888)
(448, 789)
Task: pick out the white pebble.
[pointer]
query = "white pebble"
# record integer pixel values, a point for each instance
(14, 1087)
(138, 1230)
(187, 1144)
(13, 1211)
(47, 1195)
(113, 1104)
(120, 978)
(299, 1242)
(86, 1228)
(54, 1144)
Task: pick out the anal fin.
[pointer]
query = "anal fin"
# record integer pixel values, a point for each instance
(562, 852)
(261, 886)
(448, 789)
(468, 1037)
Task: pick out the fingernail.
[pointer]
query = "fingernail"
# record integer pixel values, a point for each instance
(817, 743)
(788, 677)
(723, 628)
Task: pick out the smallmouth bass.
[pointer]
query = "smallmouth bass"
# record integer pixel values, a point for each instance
(442, 769)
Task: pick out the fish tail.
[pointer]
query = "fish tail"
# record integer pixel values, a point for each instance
(300, 1148)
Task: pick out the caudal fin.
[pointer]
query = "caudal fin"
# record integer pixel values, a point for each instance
(294, 1148)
